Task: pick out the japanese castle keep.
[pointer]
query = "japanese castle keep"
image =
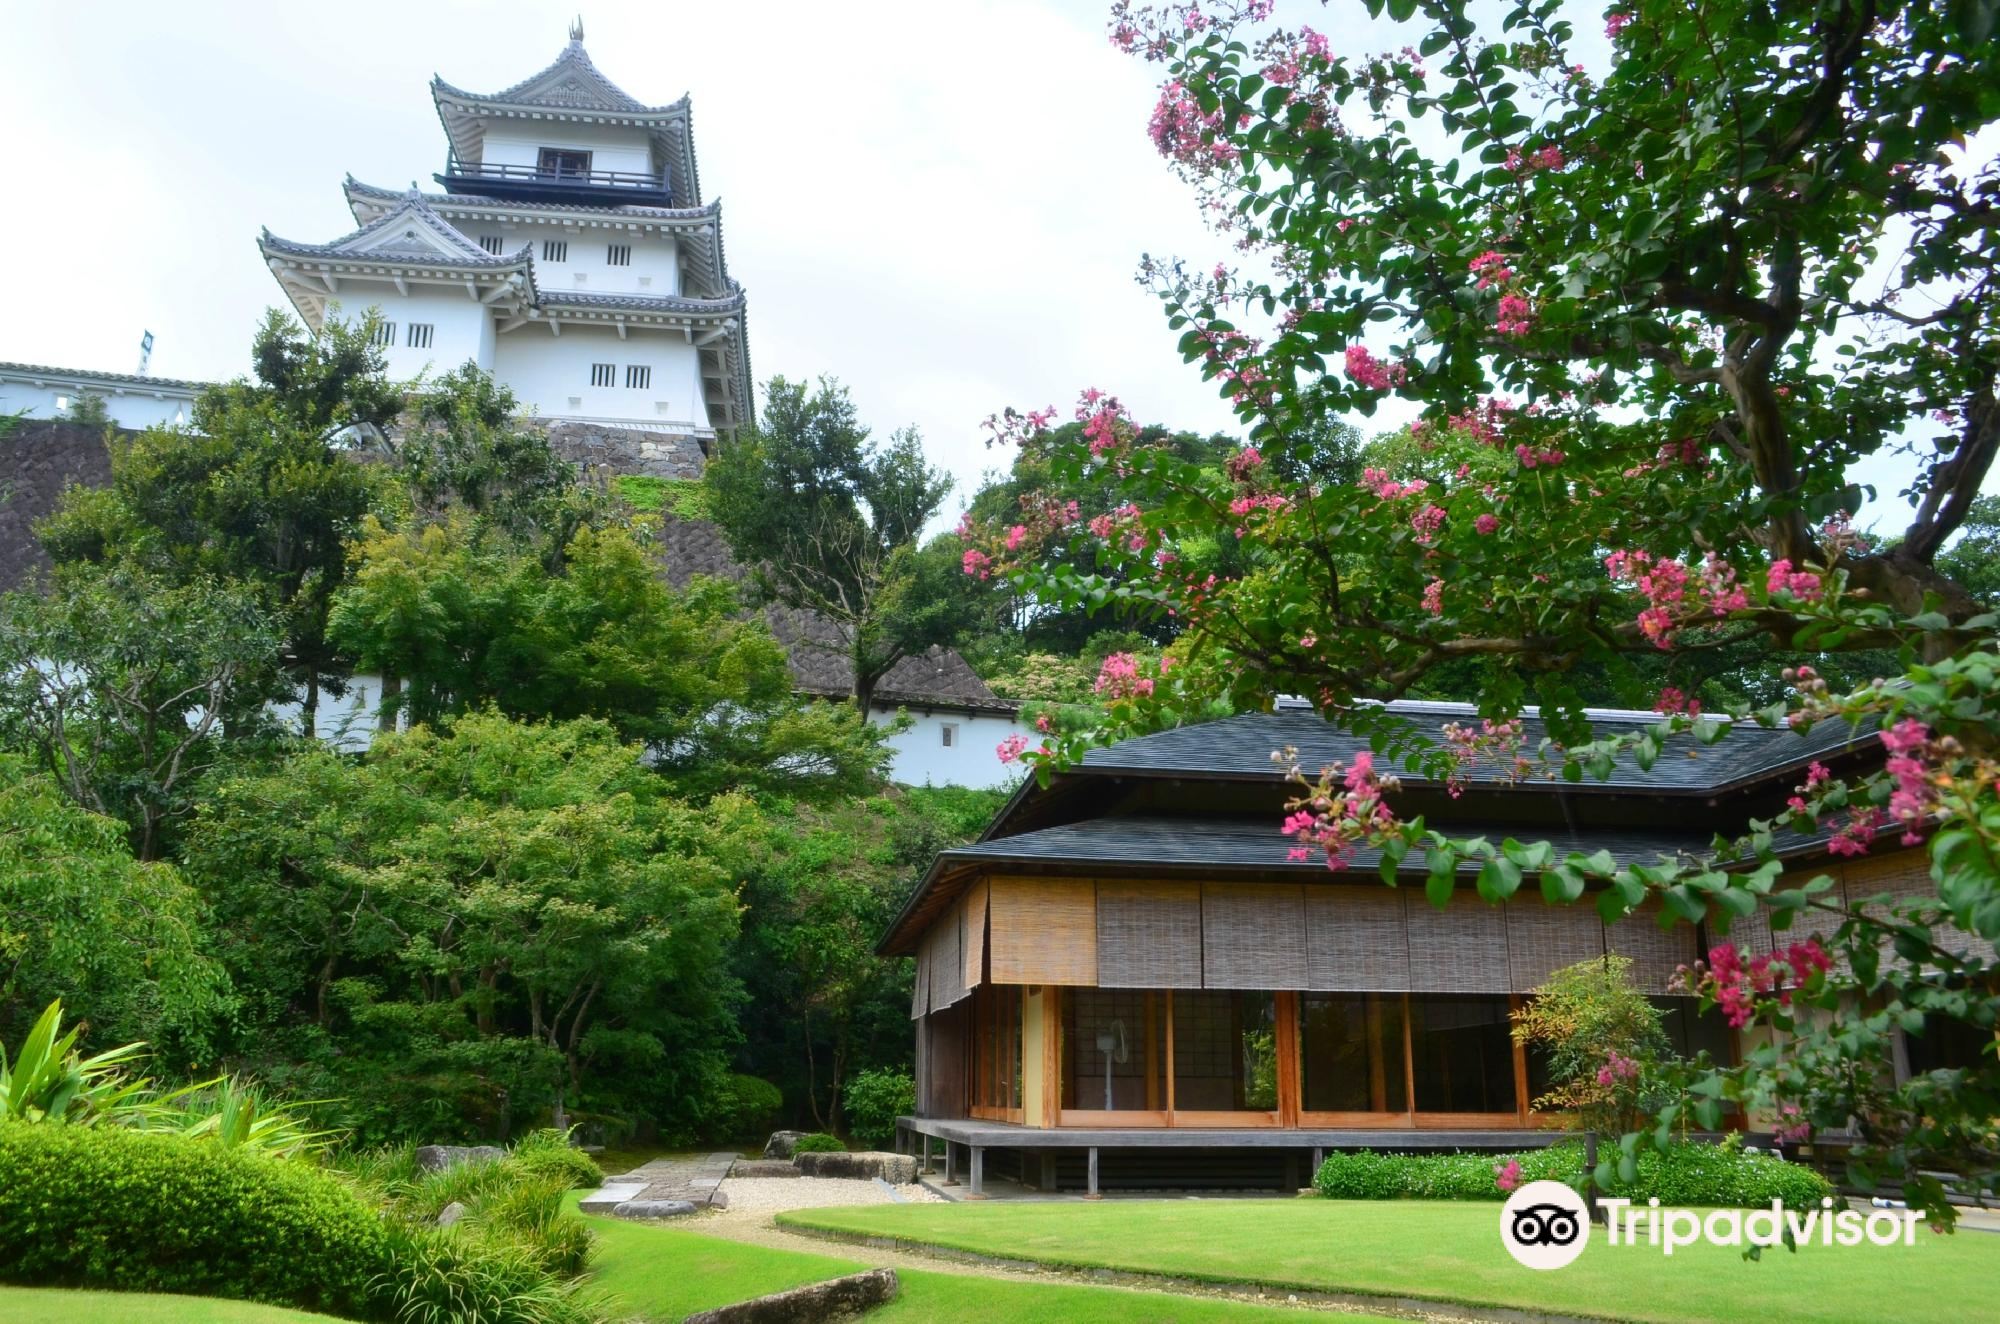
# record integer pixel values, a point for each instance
(570, 254)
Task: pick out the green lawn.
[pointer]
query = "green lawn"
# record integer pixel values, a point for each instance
(40, 1305)
(664, 1273)
(1452, 1252)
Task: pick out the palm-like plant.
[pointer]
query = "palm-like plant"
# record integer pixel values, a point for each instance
(49, 1081)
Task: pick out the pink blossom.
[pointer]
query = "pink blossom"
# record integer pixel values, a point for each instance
(976, 563)
(1616, 23)
(1016, 536)
(1516, 316)
(1183, 132)
(1119, 678)
(1492, 269)
(1434, 597)
(1372, 372)
(1242, 464)
(1427, 520)
(1010, 748)
(1800, 584)
(1487, 522)
(1507, 1176)
(1672, 700)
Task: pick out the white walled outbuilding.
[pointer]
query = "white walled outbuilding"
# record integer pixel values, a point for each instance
(952, 748)
(132, 402)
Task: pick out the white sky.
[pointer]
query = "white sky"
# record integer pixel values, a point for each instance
(942, 204)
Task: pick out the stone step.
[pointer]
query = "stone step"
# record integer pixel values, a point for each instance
(609, 1196)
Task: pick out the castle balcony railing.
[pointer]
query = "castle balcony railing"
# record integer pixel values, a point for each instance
(526, 183)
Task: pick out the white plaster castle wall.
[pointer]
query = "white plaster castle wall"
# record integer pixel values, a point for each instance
(129, 405)
(654, 270)
(514, 142)
(550, 374)
(461, 326)
(923, 759)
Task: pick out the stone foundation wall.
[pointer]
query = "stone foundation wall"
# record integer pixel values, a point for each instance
(612, 451)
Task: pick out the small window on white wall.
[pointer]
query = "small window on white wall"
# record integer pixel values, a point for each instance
(638, 376)
(603, 374)
(555, 250)
(949, 732)
(385, 334)
(618, 255)
(491, 243)
(420, 335)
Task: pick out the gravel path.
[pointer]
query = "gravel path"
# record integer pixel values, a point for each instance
(760, 1197)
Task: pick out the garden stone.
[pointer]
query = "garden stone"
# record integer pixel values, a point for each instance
(896, 1169)
(765, 1168)
(653, 1209)
(783, 1144)
(450, 1214)
(436, 1158)
(837, 1298)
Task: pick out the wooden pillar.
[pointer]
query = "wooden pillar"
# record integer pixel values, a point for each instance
(1319, 1157)
(1291, 1170)
(1047, 1180)
(1287, 1011)
(949, 1180)
(976, 1188)
(1090, 1188)
(927, 1153)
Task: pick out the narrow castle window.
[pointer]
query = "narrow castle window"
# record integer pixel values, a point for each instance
(491, 243)
(603, 374)
(419, 335)
(638, 376)
(555, 250)
(618, 255)
(385, 334)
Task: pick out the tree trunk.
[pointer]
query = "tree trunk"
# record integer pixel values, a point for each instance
(309, 708)
(388, 713)
(864, 691)
(812, 1074)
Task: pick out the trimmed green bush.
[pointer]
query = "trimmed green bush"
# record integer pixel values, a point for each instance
(875, 1099)
(1689, 1175)
(443, 1278)
(746, 1107)
(112, 1208)
(819, 1142)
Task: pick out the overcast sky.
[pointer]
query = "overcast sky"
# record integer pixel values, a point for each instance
(943, 204)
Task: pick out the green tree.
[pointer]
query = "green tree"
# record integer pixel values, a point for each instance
(1974, 560)
(468, 618)
(491, 921)
(1600, 1038)
(122, 942)
(260, 491)
(830, 522)
(122, 684)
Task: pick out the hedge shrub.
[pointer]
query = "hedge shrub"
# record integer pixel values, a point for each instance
(819, 1142)
(137, 1212)
(875, 1099)
(1689, 1174)
(746, 1107)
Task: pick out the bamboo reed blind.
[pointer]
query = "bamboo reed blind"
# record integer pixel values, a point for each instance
(1542, 939)
(1148, 935)
(1043, 931)
(974, 941)
(1459, 949)
(1253, 935)
(920, 986)
(1656, 953)
(1904, 876)
(947, 961)
(1357, 940)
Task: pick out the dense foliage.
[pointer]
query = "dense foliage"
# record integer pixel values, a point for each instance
(875, 1099)
(828, 520)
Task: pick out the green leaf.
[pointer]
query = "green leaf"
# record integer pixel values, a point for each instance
(1499, 879)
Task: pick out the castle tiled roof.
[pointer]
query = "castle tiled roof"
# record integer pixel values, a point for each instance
(570, 82)
(174, 385)
(429, 239)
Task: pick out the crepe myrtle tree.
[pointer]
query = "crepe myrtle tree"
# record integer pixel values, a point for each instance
(1653, 308)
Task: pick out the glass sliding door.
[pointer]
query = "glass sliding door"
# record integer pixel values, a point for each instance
(1114, 1046)
(1352, 1055)
(1225, 1055)
(1462, 1054)
(995, 1065)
